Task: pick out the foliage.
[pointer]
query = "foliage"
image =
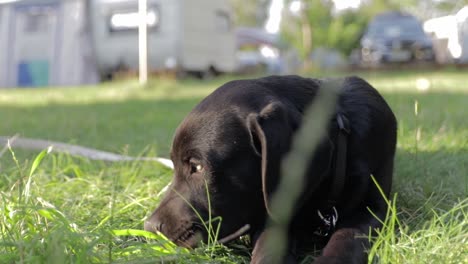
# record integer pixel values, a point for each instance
(69, 210)
(249, 13)
(341, 31)
(450, 5)
(346, 31)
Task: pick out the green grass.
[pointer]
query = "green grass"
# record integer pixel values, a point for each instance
(68, 209)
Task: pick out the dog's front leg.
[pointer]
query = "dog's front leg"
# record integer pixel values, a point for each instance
(346, 245)
(261, 254)
(349, 243)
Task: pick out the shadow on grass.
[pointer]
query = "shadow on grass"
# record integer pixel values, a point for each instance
(430, 180)
(430, 164)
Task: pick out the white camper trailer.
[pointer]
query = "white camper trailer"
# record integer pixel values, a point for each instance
(45, 42)
(183, 35)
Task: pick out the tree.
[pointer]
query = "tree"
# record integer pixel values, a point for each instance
(307, 27)
(341, 31)
(346, 30)
(250, 13)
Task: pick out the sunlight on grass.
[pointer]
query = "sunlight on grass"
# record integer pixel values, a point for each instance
(107, 92)
(53, 215)
(438, 81)
(441, 239)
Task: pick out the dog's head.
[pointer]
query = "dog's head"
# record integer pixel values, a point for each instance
(226, 155)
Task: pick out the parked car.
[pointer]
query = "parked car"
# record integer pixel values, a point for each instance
(395, 37)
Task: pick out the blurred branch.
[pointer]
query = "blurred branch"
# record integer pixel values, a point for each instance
(295, 165)
(74, 150)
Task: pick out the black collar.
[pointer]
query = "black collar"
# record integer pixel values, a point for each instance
(339, 176)
(329, 215)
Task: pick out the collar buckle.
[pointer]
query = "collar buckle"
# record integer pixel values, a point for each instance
(329, 219)
(343, 123)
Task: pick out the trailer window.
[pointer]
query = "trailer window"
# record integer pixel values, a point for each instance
(36, 23)
(129, 20)
(223, 21)
(37, 19)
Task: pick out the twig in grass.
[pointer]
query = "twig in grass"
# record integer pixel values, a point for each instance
(7, 144)
(74, 150)
(234, 235)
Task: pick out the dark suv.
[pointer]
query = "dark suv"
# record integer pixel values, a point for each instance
(395, 37)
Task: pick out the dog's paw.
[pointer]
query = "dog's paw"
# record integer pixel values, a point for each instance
(261, 255)
(261, 259)
(329, 260)
(268, 259)
(337, 260)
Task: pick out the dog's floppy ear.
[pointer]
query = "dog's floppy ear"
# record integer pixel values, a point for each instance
(271, 134)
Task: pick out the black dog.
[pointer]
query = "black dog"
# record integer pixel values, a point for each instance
(233, 142)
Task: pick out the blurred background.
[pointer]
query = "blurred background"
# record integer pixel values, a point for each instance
(76, 42)
(94, 55)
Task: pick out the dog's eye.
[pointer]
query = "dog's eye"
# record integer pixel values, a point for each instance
(195, 167)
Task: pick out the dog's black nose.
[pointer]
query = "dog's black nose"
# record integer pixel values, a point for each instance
(153, 226)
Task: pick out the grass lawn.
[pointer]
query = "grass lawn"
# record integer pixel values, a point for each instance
(55, 208)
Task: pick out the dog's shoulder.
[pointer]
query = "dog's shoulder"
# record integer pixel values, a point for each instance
(361, 97)
(271, 84)
(365, 108)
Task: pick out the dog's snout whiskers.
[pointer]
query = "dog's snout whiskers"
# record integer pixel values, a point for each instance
(159, 226)
(153, 227)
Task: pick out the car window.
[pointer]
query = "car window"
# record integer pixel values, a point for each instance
(395, 27)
